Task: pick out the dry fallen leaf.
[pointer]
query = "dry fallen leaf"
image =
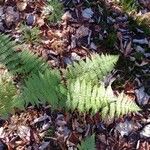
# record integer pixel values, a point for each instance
(82, 31)
(21, 5)
(128, 49)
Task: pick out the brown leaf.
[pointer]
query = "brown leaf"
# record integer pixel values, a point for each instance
(128, 49)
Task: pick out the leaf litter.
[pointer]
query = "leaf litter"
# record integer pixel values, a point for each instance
(85, 26)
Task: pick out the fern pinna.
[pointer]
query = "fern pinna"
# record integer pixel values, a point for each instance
(83, 91)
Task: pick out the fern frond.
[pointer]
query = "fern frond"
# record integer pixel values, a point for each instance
(93, 69)
(88, 143)
(42, 88)
(42, 84)
(8, 92)
(23, 63)
(85, 97)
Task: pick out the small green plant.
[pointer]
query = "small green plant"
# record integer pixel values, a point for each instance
(23, 63)
(56, 10)
(30, 34)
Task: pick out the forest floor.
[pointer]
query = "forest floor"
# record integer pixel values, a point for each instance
(85, 27)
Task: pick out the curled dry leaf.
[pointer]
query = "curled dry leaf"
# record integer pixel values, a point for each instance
(120, 37)
(75, 56)
(2, 133)
(126, 127)
(42, 118)
(141, 41)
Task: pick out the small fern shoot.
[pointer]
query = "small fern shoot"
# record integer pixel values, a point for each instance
(30, 35)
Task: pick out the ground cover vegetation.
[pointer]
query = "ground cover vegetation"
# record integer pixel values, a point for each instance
(74, 74)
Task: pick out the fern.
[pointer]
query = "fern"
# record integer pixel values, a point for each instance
(120, 107)
(83, 91)
(8, 92)
(88, 143)
(23, 63)
(94, 69)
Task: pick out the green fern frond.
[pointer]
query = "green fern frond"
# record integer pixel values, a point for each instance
(23, 63)
(42, 88)
(31, 63)
(88, 143)
(8, 93)
(85, 97)
(93, 69)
